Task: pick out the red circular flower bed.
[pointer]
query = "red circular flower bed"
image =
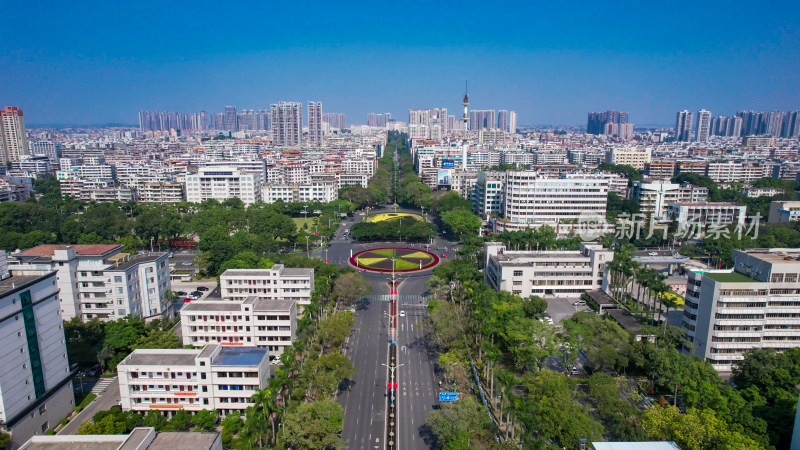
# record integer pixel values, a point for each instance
(406, 259)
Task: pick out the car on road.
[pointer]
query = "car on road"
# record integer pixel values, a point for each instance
(444, 256)
(186, 263)
(402, 313)
(202, 289)
(196, 294)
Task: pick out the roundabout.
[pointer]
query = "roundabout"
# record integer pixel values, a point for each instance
(405, 260)
(380, 217)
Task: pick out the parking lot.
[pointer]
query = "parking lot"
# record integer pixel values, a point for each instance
(561, 308)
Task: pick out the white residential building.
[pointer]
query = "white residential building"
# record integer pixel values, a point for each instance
(160, 192)
(101, 281)
(706, 213)
(35, 387)
(531, 198)
(251, 322)
(546, 273)
(13, 136)
(277, 283)
(757, 305)
(653, 196)
(784, 211)
(216, 377)
(222, 183)
(313, 192)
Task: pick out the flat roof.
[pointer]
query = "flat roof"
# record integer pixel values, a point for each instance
(709, 204)
(183, 441)
(601, 298)
(240, 356)
(184, 357)
(244, 272)
(626, 320)
(733, 277)
(17, 281)
(265, 304)
(83, 250)
(75, 445)
(205, 305)
(136, 259)
(296, 271)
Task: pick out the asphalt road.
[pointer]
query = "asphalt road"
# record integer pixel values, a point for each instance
(364, 404)
(103, 402)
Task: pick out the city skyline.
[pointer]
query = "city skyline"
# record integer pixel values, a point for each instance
(550, 71)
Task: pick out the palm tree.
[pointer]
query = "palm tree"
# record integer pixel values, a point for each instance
(102, 356)
(505, 380)
(645, 279)
(660, 288)
(264, 400)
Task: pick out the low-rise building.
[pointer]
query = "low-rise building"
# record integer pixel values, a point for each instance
(35, 387)
(707, 213)
(653, 196)
(553, 273)
(754, 192)
(635, 157)
(312, 192)
(222, 183)
(784, 211)
(160, 192)
(215, 377)
(755, 305)
(277, 283)
(252, 322)
(140, 438)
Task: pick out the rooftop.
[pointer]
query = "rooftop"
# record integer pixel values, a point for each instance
(183, 441)
(264, 304)
(240, 356)
(205, 305)
(733, 277)
(625, 319)
(17, 281)
(136, 259)
(296, 271)
(710, 204)
(81, 250)
(161, 357)
(652, 445)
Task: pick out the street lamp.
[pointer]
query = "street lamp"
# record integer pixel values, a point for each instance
(307, 254)
(326, 256)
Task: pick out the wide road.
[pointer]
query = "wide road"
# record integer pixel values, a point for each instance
(364, 404)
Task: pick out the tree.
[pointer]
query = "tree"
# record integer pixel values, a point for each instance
(154, 419)
(159, 339)
(181, 421)
(205, 420)
(327, 372)
(456, 422)
(696, 429)
(314, 425)
(459, 221)
(350, 287)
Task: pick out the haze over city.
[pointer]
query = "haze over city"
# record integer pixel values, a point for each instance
(103, 62)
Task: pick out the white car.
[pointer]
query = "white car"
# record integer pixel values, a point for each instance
(402, 313)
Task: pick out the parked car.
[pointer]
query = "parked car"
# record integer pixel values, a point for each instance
(188, 299)
(180, 293)
(579, 303)
(202, 289)
(575, 370)
(196, 294)
(186, 263)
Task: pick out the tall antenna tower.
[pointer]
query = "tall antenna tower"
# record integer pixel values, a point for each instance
(465, 136)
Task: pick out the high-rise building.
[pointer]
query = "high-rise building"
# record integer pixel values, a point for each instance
(597, 122)
(335, 120)
(792, 128)
(683, 126)
(703, 125)
(512, 121)
(45, 148)
(230, 119)
(315, 123)
(482, 119)
(35, 388)
(262, 120)
(502, 120)
(13, 136)
(286, 122)
(774, 123)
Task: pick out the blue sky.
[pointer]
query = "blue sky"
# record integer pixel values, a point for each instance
(97, 62)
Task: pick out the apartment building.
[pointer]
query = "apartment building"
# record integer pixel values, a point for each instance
(35, 388)
(215, 377)
(252, 322)
(160, 192)
(487, 193)
(660, 170)
(312, 192)
(531, 198)
(635, 157)
(756, 305)
(783, 211)
(654, 195)
(546, 273)
(707, 213)
(277, 283)
(222, 183)
(140, 438)
(100, 280)
(731, 171)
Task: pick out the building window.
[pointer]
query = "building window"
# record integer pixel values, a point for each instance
(517, 273)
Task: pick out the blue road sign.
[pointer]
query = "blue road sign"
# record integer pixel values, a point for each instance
(448, 396)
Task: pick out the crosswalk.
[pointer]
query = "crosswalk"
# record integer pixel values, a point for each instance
(102, 384)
